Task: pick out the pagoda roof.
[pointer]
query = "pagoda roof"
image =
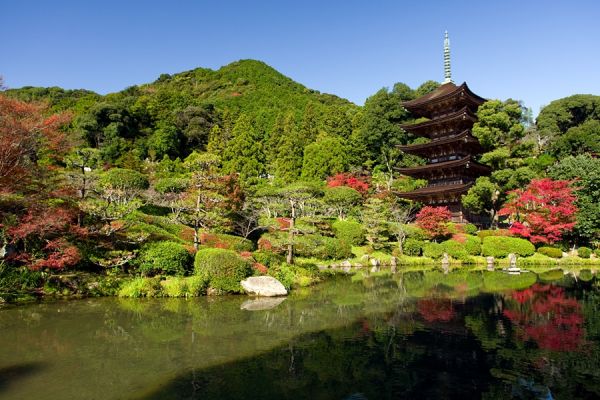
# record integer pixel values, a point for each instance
(442, 94)
(465, 136)
(467, 162)
(434, 190)
(463, 114)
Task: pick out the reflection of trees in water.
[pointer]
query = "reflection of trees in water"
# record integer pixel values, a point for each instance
(545, 315)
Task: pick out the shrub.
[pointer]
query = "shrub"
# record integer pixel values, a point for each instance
(455, 249)
(224, 241)
(433, 250)
(412, 247)
(351, 232)
(493, 232)
(167, 258)
(597, 252)
(332, 248)
(502, 246)
(190, 286)
(586, 275)
(295, 275)
(267, 258)
(472, 244)
(550, 251)
(414, 232)
(470, 229)
(222, 269)
(584, 252)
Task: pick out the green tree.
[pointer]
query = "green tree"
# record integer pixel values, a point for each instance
(323, 158)
(586, 171)
(287, 162)
(484, 198)
(340, 200)
(499, 123)
(244, 154)
(375, 217)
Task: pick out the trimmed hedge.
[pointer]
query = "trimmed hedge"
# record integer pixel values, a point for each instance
(167, 258)
(502, 246)
(311, 245)
(584, 252)
(351, 232)
(412, 247)
(550, 251)
(222, 269)
(224, 241)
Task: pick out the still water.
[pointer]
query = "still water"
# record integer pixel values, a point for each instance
(415, 335)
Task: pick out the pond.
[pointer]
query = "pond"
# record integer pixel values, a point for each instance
(409, 335)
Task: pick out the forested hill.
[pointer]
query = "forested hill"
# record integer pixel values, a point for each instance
(200, 109)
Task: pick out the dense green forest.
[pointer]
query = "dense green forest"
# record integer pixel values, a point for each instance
(248, 171)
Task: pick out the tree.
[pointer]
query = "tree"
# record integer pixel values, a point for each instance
(26, 136)
(375, 217)
(499, 123)
(434, 221)
(323, 158)
(341, 200)
(483, 198)
(401, 213)
(360, 183)
(201, 206)
(244, 154)
(586, 171)
(287, 164)
(296, 196)
(543, 211)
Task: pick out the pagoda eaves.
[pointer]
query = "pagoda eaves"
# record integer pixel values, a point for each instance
(446, 97)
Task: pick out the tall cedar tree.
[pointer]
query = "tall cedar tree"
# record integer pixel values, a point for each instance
(244, 153)
(288, 163)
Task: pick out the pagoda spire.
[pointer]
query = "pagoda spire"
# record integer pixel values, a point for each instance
(447, 71)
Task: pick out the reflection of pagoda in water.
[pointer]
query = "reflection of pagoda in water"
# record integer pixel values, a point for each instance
(451, 167)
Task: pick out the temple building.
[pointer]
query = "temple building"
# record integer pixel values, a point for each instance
(451, 168)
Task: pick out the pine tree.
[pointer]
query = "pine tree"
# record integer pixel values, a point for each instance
(244, 154)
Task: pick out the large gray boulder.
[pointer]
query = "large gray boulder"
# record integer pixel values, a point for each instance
(263, 286)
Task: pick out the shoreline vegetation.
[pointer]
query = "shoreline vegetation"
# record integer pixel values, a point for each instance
(187, 185)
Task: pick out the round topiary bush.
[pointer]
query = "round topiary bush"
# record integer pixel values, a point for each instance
(470, 229)
(584, 252)
(502, 246)
(412, 247)
(550, 251)
(167, 258)
(455, 249)
(222, 269)
(493, 232)
(351, 232)
(433, 250)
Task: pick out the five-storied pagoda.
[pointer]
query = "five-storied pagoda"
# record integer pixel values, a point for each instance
(451, 168)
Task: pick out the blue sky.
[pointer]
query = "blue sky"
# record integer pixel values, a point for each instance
(535, 51)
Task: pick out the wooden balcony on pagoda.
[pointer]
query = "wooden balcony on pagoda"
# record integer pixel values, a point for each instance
(448, 125)
(463, 143)
(445, 169)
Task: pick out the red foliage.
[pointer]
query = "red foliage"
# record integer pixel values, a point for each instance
(436, 309)
(246, 254)
(260, 268)
(544, 314)
(24, 133)
(284, 223)
(434, 220)
(358, 183)
(265, 244)
(543, 211)
(45, 223)
(60, 255)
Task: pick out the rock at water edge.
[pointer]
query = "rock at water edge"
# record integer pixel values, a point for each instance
(263, 286)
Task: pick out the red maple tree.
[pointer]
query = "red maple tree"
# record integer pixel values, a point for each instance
(358, 183)
(434, 221)
(543, 211)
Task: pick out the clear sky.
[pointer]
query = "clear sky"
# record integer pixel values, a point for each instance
(535, 51)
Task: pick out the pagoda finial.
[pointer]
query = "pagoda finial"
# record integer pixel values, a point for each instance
(447, 71)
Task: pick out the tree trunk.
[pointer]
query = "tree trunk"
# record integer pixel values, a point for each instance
(196, 238)
(290, 254)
